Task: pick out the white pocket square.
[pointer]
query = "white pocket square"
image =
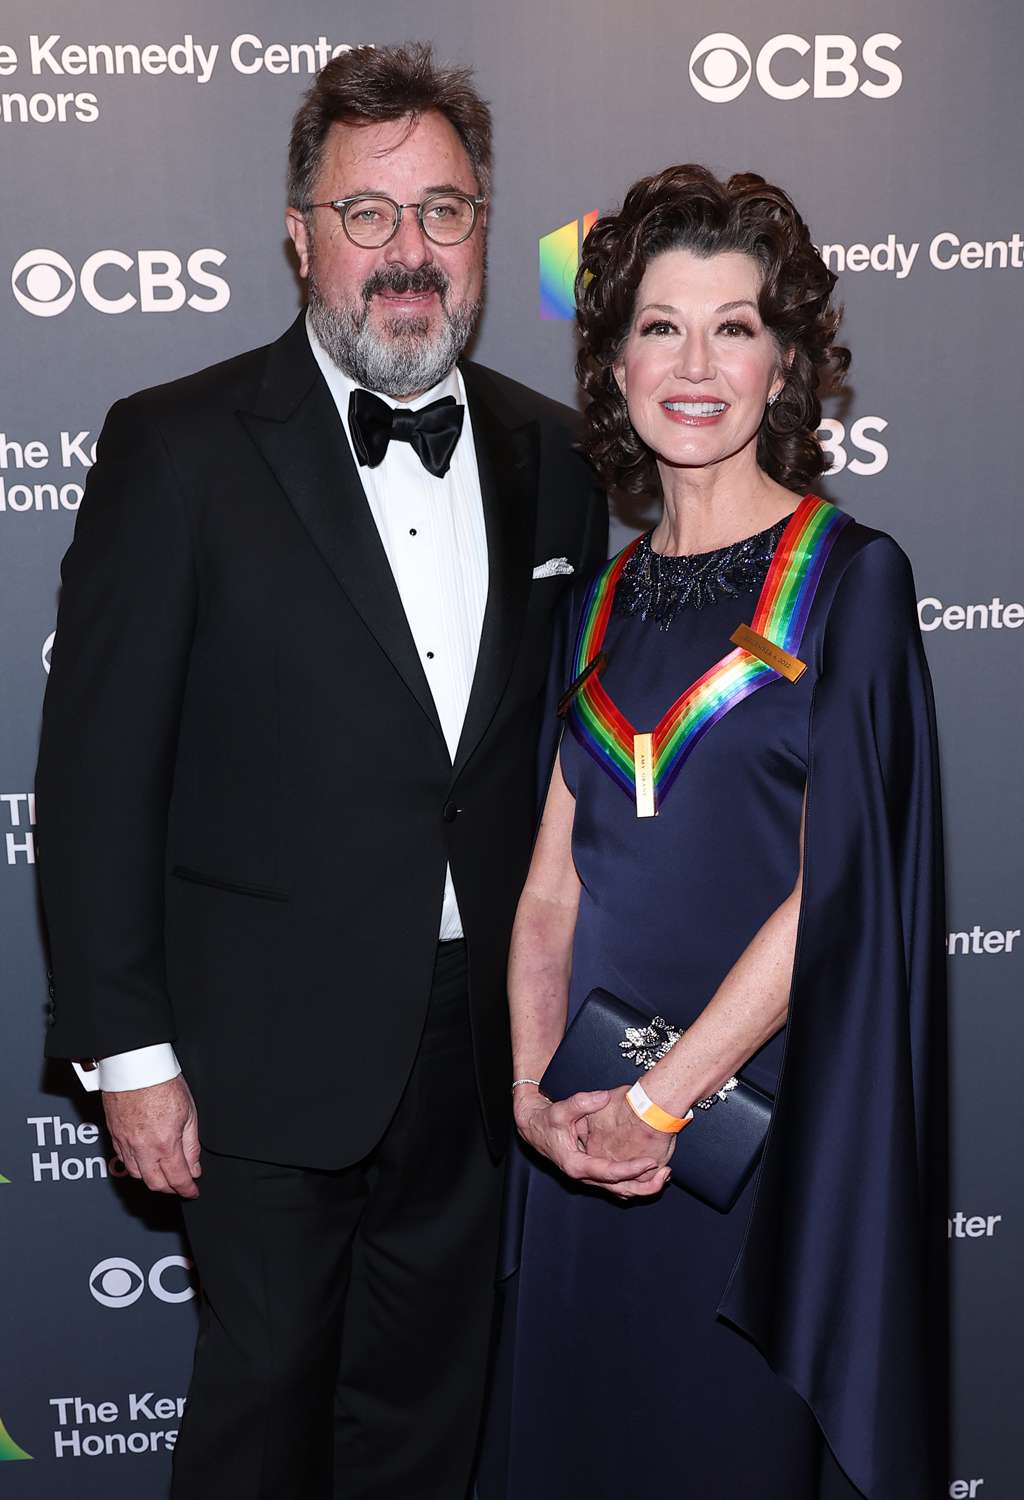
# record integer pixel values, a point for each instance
(553, 567)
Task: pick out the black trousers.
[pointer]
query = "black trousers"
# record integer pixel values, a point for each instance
(346, 1316)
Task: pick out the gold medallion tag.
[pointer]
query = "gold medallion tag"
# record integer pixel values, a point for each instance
(643, 767)
(790, 667)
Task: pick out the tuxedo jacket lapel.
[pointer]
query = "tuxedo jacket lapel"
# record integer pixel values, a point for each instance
(507, 458)
(295, 424)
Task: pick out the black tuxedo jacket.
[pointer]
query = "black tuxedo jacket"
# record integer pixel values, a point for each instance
(245, 800)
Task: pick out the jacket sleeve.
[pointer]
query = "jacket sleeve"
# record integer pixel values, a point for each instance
(107, 753)
(840, 1281)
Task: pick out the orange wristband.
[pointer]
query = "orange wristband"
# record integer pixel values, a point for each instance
(644, 1107)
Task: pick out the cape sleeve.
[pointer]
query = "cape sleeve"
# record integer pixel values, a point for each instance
(841, 1278)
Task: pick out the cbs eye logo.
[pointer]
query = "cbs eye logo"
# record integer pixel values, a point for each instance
(725, 67)
(118, 1282)
(44, 283)
(721, 66)
(47, 283)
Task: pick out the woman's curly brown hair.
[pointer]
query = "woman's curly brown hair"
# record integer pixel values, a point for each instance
(688, 208)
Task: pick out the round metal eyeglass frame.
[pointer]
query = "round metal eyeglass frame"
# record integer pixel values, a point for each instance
(341, 207)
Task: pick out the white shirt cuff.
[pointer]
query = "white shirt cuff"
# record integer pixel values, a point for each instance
(140, 1068)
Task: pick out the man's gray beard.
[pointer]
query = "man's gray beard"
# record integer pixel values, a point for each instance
(404, 359)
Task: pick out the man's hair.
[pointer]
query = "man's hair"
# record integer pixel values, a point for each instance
(369, 85)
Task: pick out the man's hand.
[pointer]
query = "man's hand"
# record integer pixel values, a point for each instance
(156, 1134)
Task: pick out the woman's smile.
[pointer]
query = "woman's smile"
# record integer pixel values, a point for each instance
(693, 411)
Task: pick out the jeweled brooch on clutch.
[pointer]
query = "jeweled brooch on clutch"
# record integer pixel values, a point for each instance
(727, 1088)
(646, 1045)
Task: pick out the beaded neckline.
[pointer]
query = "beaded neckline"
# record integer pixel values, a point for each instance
(656, 587)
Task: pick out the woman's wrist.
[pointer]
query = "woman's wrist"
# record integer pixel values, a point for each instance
(671, 1085)
(523, 1083)
(525, 1095)
(653, 1115)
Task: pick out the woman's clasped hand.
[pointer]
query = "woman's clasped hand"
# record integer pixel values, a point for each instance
(597, 1140)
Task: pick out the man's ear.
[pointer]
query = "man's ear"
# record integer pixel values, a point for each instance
(295, 223)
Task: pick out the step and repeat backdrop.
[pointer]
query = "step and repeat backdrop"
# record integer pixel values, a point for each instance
(143, 166)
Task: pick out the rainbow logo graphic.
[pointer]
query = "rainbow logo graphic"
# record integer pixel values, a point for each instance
(9, 1450)
(559, 262)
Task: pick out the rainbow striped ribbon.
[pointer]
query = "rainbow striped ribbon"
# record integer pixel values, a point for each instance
(780, 617)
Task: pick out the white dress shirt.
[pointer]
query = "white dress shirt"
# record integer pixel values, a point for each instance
(434, 535)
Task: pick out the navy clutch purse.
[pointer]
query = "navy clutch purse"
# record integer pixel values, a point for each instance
(610, 1044)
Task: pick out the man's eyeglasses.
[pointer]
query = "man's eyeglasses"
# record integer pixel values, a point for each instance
(370, 220)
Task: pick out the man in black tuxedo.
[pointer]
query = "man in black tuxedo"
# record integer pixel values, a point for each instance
(301, 649)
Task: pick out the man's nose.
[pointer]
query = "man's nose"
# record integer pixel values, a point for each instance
(409, 247)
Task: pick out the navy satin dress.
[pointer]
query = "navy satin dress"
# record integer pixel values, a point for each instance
(622, 1370)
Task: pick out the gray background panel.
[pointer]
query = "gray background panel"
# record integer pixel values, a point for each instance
(587, 96)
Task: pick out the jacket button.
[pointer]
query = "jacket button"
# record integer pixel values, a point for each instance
(450, 812)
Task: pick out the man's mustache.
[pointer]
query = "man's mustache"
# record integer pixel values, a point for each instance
(400, 282)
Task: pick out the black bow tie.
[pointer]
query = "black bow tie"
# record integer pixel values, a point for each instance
(433, 431)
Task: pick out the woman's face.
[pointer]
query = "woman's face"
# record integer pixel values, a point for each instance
(698, 364)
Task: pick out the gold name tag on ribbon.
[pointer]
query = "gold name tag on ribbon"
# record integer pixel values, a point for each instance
(643, 767)
(790, 667)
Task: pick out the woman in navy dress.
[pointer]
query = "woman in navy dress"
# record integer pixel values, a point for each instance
(784, 905)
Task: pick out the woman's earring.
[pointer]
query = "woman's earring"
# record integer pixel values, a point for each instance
(772, 399)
